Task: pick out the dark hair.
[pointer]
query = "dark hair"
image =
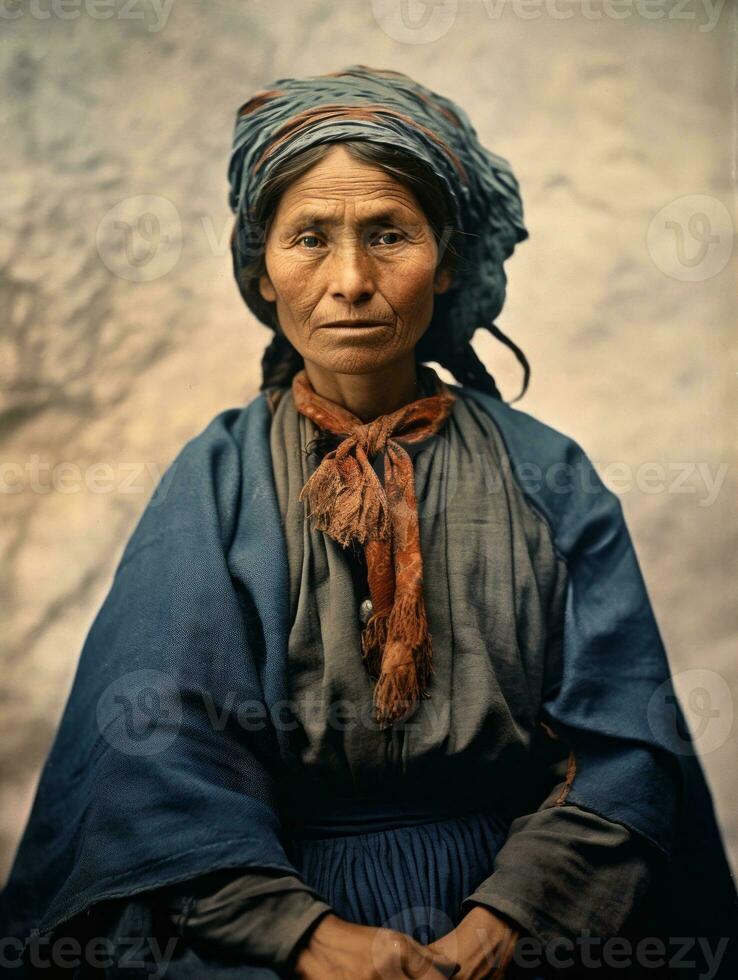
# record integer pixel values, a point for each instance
(281, 361)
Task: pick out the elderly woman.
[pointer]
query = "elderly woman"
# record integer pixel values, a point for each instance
(377, 690)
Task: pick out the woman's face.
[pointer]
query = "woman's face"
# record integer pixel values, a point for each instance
(350, 243)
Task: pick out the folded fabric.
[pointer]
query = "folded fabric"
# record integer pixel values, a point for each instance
(178, 721)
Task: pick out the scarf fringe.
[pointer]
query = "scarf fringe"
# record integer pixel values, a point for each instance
(408, 623)
(341, 501)
(397, 693)
(407, 660)
(373, 642)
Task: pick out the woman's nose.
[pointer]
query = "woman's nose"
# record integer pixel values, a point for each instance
(351, 275)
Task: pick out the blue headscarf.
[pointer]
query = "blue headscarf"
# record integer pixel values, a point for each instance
(388, 107)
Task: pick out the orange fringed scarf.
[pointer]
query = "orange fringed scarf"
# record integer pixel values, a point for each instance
(345, 498)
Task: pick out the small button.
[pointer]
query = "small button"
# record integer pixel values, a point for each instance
(366, 609)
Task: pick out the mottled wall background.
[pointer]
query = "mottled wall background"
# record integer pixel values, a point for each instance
(123, 334)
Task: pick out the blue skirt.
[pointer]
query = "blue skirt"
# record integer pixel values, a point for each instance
(400, 866)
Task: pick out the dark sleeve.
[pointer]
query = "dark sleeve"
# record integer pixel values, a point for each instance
(584, 859)
(564, 869)
(260, 917)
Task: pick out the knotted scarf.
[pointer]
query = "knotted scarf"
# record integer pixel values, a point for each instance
(345, 498)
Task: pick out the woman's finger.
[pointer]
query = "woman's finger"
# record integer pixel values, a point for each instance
(448, 947)
(421, 963)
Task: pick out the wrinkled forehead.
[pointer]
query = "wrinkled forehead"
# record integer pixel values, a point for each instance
(343, 190)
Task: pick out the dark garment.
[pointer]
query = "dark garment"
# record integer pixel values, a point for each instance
(566, 868)
(175, 757)
(260, 918)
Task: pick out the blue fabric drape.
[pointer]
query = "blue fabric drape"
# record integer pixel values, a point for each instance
(153, 776)
(160, 770)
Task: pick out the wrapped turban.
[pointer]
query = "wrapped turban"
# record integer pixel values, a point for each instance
(383, 106)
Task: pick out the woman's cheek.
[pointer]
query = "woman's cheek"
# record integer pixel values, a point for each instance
(413, 302)
(297, 290)
(411, 281)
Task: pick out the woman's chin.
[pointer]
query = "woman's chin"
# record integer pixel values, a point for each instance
(356, 359)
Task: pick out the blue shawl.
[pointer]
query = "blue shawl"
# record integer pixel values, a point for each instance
(160, 770)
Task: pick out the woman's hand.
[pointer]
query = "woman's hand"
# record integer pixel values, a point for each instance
(482, 943)
(345, 951)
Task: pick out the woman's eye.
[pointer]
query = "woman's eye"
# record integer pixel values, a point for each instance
(310, 238)
(389, 234)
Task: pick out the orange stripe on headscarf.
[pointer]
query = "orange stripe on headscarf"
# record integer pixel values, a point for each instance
(370, 113)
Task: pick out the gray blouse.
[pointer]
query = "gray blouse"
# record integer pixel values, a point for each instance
(495, 591)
